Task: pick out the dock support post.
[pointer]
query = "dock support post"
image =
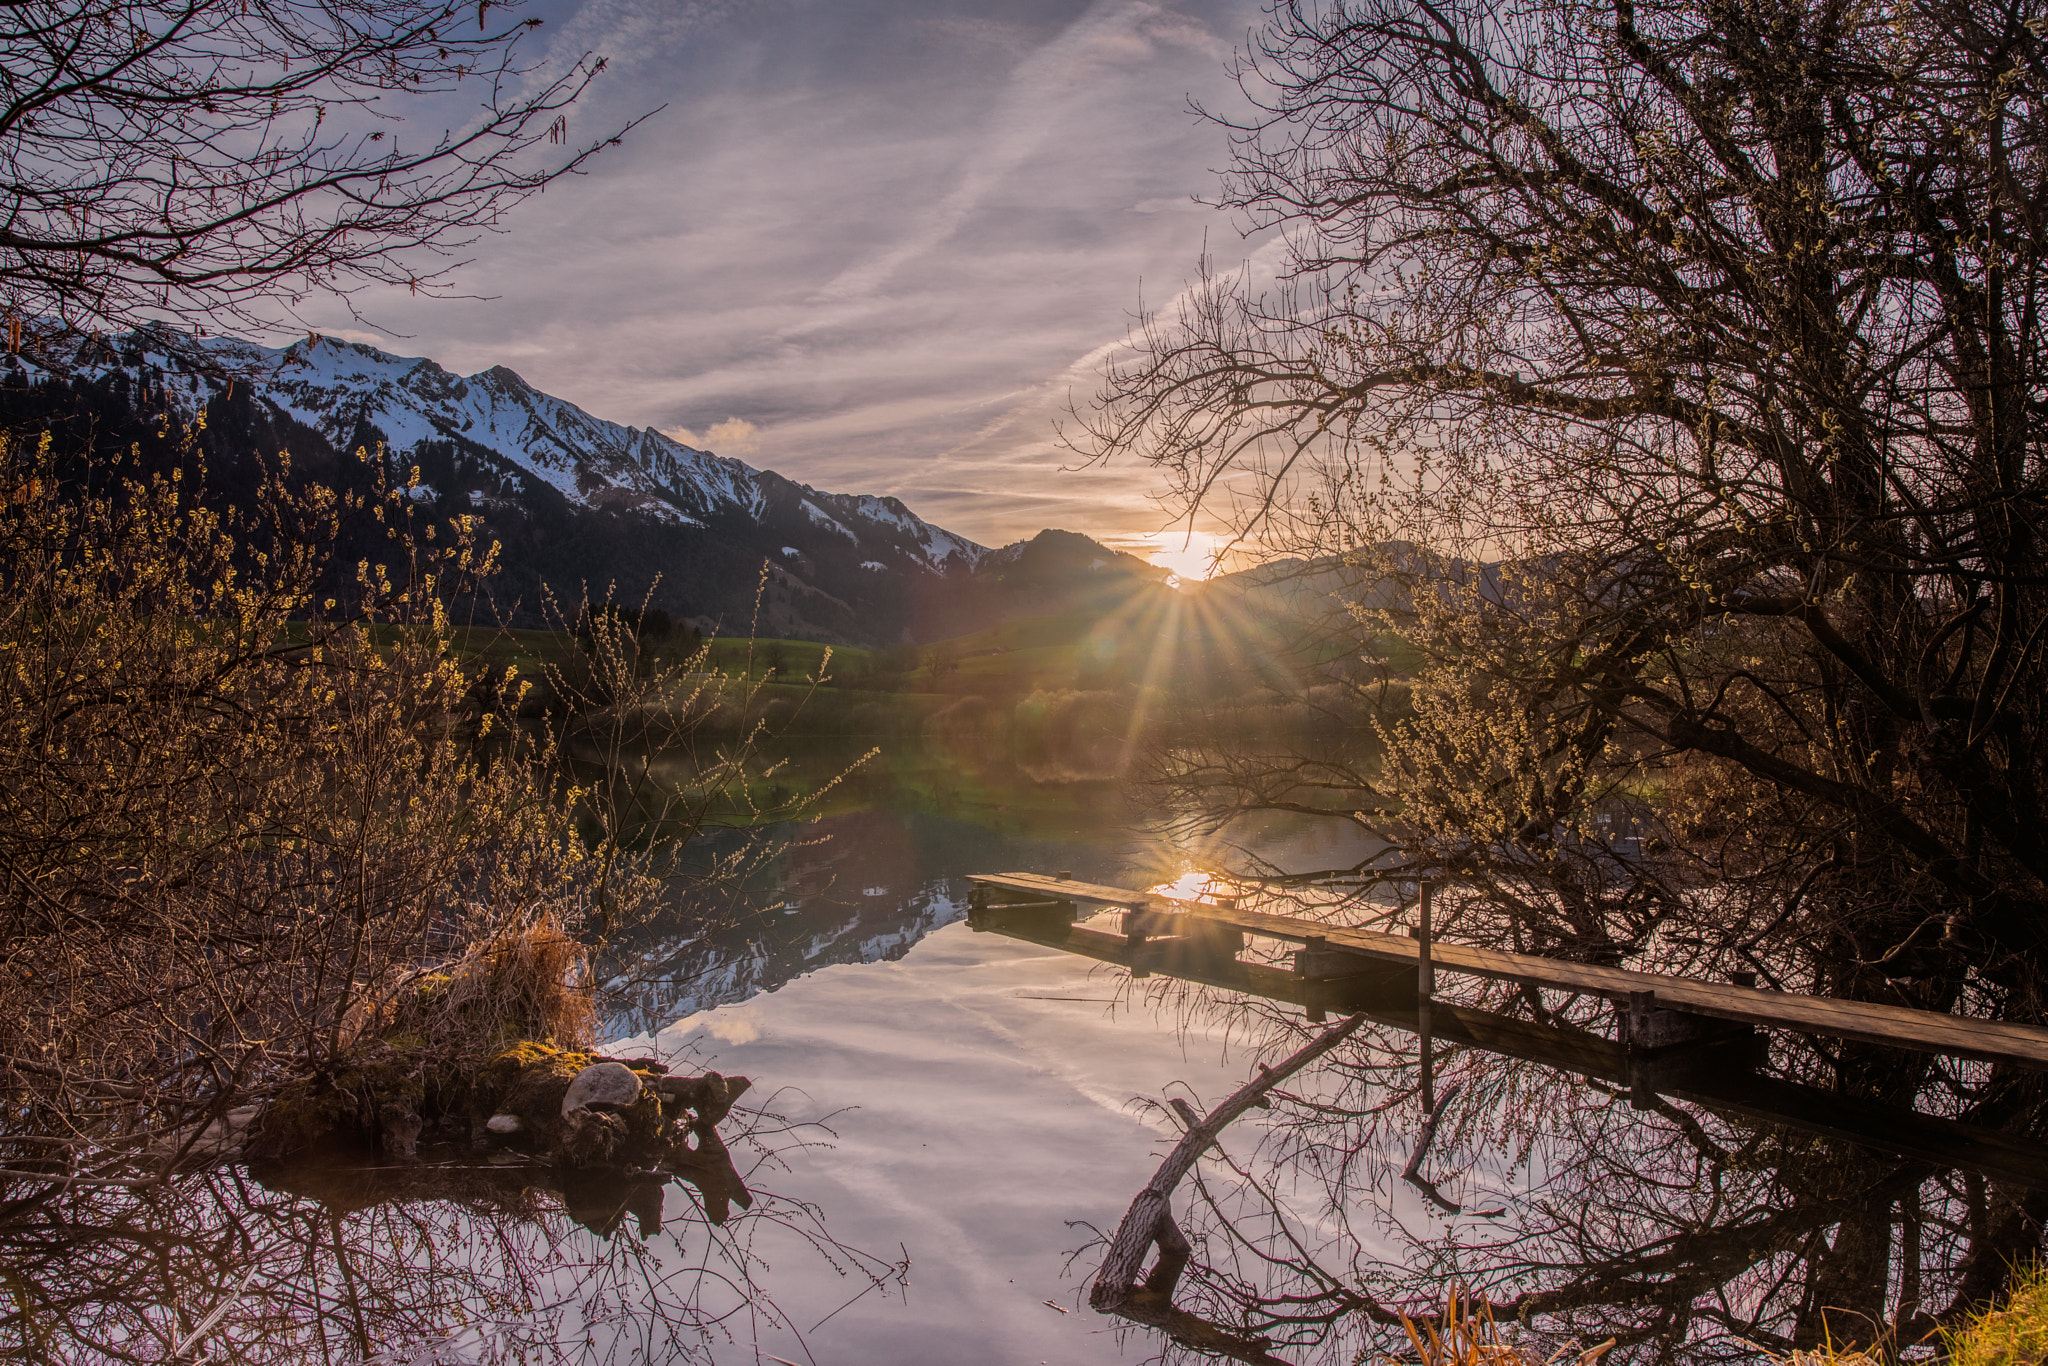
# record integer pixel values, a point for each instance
(1642, 1006)
(1425, 989)
(1135, 928)
(1656, 1040)
(1315, 947)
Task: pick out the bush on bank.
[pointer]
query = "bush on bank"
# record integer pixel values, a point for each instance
(246, 825)
(2014, 1335)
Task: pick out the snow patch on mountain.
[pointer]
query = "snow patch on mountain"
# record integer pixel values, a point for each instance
(826, 520)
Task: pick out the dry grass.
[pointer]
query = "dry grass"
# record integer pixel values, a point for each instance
(536, 980)
(1465, 1334)
(529, 981)
(2016, 1335)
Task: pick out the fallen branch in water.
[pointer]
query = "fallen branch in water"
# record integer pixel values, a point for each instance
(1149, 1222)
(1412, 1173)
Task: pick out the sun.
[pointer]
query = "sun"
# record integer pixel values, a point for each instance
(1189, 557)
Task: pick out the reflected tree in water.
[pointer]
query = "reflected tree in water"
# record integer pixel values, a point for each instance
(1656, 387)
(1684, 1234)
(464, 1260)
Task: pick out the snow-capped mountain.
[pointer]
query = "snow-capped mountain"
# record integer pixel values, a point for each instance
(341, 389)
(579, 504)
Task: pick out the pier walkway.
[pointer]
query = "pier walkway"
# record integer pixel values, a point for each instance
(1674, 1036)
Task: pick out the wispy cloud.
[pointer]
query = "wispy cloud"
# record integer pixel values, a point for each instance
(897, 237)
(1110, 41)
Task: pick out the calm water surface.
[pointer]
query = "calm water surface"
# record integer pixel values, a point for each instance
(943, 1123)
(987, 1097)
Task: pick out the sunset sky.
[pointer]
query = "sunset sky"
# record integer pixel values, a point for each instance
(874, 246)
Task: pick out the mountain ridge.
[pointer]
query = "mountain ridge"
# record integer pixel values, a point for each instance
(580, 504)
(335, 387)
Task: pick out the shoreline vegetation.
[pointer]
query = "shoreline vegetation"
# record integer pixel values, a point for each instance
(284, 866)
(1094, 693)
(280, 830)
(2015, 1334)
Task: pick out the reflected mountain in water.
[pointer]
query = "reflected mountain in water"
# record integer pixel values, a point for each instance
(858, 887)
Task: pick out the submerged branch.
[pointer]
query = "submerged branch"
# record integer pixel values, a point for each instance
(1150, 1220)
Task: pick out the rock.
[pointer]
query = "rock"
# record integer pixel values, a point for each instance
(583, 1112)
(601, 1083)
(710, 1095)
(528, 1080)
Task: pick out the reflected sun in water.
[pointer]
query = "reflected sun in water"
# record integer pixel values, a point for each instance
(1193, 885)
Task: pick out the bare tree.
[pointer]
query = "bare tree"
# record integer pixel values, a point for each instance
(1671, 376)
(1666, 381)
(1672, 1234)
(249, 808)
(204, 161)
(332, 1260)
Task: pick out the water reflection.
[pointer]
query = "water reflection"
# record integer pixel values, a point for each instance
(864, 885)
(1704, 1209)
(1685, 1232)
(465, 1259)
(336, 1259)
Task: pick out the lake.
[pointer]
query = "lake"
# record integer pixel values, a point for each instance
(945, 1122)
(986, 1095)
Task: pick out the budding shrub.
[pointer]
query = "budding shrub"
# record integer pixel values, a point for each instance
(250, 804)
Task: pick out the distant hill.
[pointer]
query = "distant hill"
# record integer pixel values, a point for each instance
(1055, 572)
(573, 499)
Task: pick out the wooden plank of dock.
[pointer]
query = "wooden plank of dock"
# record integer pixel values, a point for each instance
(1866, 1021)
(1717, 1074)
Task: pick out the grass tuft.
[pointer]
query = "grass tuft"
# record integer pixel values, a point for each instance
(2016, 1335)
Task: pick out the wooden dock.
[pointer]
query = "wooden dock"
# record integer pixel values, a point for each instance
(1674, 1036)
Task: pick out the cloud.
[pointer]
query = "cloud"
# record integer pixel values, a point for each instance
(1112, 37)
(1176, 204)
(728, 1024)
(734, 436)
(1014, 39)
(897, 236)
